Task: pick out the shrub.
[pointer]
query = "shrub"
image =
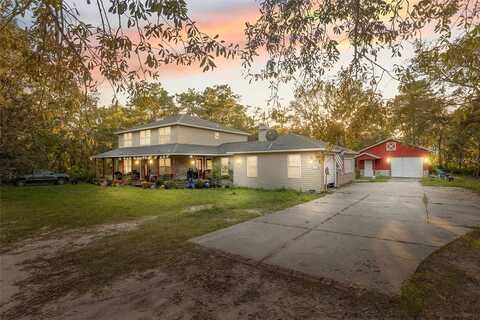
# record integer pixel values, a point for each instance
(199, 184)
(169, 184)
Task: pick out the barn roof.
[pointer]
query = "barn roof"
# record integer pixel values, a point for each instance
(396, 140)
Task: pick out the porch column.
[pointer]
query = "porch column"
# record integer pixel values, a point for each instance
(158, 167)
(141, 165)
(113, 168)
(104, 164)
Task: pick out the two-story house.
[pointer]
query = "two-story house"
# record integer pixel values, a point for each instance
(169, 147)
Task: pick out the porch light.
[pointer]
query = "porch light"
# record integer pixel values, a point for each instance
(388, 160)
(192, 162)
(190, 156)
(425, 160)
(137, 162)
(238, 160)
(150, 161)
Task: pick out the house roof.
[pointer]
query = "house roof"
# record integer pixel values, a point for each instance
(289, 142)
(284, 143)
(396, 140)
(162, 149)
(184, 120)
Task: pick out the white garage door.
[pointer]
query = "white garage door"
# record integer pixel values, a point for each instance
(407, 167)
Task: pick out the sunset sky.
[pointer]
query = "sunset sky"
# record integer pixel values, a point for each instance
(227, 19)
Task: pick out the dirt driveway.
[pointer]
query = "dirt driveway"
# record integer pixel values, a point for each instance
(371, 235)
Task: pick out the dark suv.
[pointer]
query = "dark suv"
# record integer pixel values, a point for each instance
(42, 176)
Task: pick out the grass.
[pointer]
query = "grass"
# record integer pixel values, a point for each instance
(470, 183)
(158, 242)
(29, 211)
(446, 284)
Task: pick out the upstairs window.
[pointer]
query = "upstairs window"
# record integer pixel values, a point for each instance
(294, 166)
(144, 137)
(164, 135)
(127, 139)
(252, 167)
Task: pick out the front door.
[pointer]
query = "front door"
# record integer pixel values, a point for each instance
(329, 169)
(368, 168)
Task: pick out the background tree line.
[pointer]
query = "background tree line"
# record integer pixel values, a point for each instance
(49, 121)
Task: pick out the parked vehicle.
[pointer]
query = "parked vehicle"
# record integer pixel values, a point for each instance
(42, 176)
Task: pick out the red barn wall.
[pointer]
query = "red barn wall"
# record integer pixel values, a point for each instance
(402, 150)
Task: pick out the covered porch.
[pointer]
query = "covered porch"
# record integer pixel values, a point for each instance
(154, 167)
(366, 164)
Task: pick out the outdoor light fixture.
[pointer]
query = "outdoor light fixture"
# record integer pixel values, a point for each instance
(388, 160)
(191, 156)
(150, 161)
(238, 160)
(137, 162)
(192, 162)
(425, 160)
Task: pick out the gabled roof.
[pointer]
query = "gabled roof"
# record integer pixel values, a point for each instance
(393, 139)
(367, 154)
(184, 120)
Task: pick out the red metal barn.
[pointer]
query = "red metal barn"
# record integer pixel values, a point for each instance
(394, 158)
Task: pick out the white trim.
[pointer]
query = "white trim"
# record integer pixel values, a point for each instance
(368, 154)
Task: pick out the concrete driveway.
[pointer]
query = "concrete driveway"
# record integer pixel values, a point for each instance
(372, 235)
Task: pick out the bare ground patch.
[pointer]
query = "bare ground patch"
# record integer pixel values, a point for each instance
(202, 285)
(15, 259)
(193, 283)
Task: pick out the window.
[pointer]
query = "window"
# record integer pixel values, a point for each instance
(164, 135)
(127, 165)
(165, 162)
(127, 139)
(252, 167)
(144, 137)
(294, 166)
(391, 146)
(224, 166)
(348, 165)
(216, 135)
(198, 164)
(209, 164)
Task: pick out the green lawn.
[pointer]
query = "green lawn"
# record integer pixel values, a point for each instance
(459, 181)
(160, 242)
(30, 210)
